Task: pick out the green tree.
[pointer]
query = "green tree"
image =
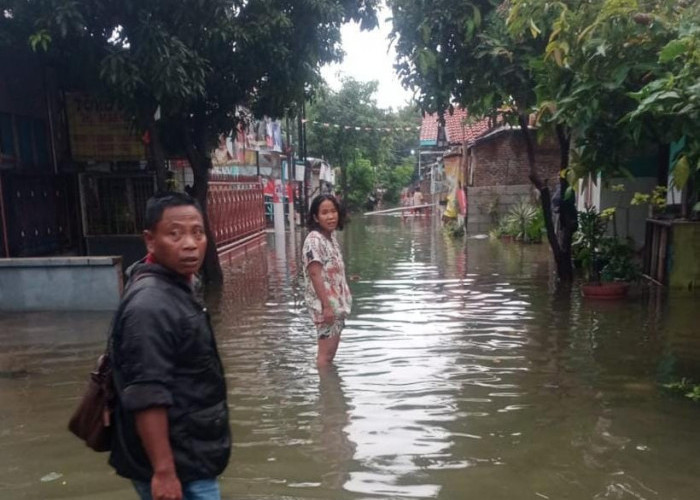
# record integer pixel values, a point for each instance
(587, 68)
(670, 102)
(621, 74)
(360, 178)
(462, 51)
(393, 179)
(352, 106)
(598, 53)
(357, 128)
(193, 62)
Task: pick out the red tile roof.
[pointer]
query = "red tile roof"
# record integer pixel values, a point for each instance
(458, 131)
(429, 128)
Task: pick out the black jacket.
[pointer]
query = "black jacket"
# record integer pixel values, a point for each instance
(164, 354)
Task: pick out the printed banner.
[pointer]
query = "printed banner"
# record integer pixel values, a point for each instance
(99, 131)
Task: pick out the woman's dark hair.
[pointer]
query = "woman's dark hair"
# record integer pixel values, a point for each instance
(156, 205)
(311, 222)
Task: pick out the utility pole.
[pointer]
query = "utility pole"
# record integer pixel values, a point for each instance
(302, 154)
(419, 179)
(291, 177)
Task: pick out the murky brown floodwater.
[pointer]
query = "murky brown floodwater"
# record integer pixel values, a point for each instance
(462, 374)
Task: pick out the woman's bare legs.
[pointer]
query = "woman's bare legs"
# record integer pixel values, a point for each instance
(327, 347)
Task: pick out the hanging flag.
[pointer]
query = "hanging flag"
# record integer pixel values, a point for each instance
(361, 128)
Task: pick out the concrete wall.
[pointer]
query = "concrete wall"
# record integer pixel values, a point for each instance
(486, 205)
(497, 176)
(630, 219)
(603, 193)
(685, 249)
(60, 284)
(130, 248)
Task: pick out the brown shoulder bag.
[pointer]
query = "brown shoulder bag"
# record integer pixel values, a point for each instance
(92, 419)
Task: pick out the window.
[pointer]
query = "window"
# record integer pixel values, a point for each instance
(115, 204)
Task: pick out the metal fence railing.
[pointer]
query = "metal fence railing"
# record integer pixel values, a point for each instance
(235, 209)
(114, 205)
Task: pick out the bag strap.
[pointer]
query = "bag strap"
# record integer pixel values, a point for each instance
(128, 292)
(104, 362)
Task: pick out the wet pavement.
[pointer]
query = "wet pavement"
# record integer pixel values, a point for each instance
(463, 373)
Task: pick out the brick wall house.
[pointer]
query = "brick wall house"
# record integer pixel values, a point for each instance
(497, 174)
(440, 140)
(493, 163)
(500, 159)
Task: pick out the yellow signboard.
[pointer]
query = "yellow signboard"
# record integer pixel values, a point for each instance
(453, 170)
(99, 132)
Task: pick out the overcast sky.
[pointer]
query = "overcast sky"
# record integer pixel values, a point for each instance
(368, 57)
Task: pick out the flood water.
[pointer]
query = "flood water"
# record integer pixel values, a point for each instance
(463, 373)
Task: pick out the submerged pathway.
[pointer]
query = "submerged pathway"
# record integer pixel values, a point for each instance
(461, 374)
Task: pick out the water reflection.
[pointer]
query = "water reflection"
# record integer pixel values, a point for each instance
(336, 450)
(464, 372)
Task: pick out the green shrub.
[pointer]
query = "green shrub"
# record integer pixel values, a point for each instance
(535, 230)
(601, 257)
(454, 228)
(685, 388)
(616, 261)
(524, 221)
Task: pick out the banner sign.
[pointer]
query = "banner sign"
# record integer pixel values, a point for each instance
(99, 132)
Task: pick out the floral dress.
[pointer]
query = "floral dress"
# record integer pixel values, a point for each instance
(326, 251)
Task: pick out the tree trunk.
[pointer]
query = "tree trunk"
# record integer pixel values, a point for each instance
(561, 250)
(212, 273)
(568, 214)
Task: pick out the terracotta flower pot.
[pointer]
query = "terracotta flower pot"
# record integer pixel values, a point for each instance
(605, 291)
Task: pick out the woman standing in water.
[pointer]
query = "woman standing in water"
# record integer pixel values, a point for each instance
(327, 293)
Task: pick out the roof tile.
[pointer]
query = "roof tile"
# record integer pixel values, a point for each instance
(458, 131)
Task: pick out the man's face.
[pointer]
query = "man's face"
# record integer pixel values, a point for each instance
(178, 241)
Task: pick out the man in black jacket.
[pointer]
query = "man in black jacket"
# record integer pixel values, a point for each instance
(172, 434)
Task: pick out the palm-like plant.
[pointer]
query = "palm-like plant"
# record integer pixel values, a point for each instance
(519, 218)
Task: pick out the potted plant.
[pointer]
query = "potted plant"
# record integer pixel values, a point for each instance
(607, 263)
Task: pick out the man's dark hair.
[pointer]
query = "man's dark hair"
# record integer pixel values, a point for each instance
(311, 222)
(156, 205)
